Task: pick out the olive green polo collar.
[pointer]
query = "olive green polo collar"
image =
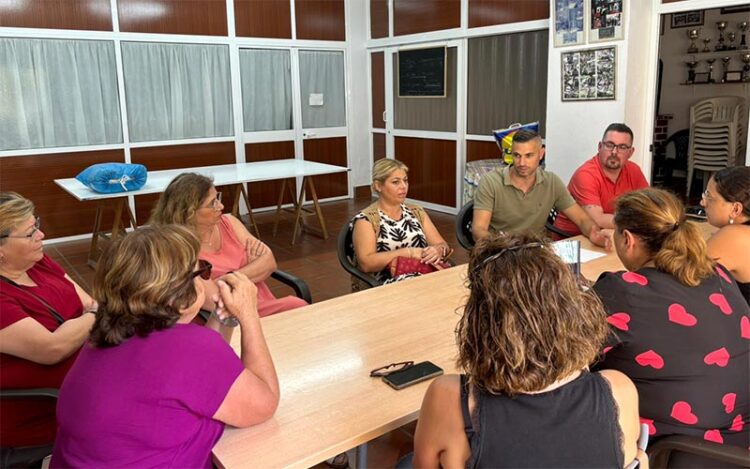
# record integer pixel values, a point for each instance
(505, 176)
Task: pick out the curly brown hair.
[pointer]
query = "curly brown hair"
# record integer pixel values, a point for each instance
(142, 282)
(658, 218)
(527, 322)
(181, 199)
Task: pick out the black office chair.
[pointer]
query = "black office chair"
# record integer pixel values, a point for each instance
(660, 452)
(345, 251)
(463, 226)
(30, 455)
(550, 225)
(681, 141)
(300, 287)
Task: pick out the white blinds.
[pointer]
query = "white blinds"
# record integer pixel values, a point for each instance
(56, 93)
(177, 91)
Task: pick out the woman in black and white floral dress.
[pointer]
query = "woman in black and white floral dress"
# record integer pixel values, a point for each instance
(390, 228)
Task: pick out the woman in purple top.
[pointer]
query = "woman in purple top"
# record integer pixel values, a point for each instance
(152, 389)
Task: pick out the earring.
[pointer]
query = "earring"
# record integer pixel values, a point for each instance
(731, 221)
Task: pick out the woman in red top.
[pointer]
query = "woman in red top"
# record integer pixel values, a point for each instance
(42, 326)
(192, 200)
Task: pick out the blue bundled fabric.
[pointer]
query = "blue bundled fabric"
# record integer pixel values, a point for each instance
(109, 178)
(504, 138)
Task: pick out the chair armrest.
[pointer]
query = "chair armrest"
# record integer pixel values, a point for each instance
(298, 285)
(660, 451)
(26, 393)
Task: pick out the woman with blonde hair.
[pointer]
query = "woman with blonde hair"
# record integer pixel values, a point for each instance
(191, 200)
(727, 204)
(526, 399)
(680, 327)
(151, 389)
(42, 326)
(391, 228)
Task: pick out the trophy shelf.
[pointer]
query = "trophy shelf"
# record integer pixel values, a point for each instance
(718, 83)
(716, 53)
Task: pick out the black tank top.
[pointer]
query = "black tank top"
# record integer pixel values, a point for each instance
(574, 425)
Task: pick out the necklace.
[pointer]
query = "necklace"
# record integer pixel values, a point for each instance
(210, 239)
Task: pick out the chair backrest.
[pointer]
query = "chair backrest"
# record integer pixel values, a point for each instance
(463, 226)
(345, 253)
(719, 109)
(681, 141)
(660, 452)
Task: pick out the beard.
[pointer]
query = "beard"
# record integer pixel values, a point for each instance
(613, 162)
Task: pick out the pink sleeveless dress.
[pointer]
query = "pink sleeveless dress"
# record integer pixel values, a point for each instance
(232, 256)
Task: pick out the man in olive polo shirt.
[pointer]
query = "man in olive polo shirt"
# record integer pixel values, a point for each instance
(519, 197)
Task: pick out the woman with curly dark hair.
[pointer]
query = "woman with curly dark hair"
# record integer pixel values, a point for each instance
(152, 389)
(526, 338)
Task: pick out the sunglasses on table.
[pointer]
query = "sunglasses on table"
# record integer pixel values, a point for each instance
(389, 369)
(203, 271)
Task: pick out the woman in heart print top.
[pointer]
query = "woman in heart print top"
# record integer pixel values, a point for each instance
(681, 328)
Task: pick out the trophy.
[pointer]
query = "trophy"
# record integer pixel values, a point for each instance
(732, 36)
(743, 42)
(746, 68)
(721, 25)
(710, 63)
(691, 71)
(693, 34)
(705, 44)
(725, 61)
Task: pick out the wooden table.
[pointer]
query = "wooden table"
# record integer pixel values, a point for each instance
(323, 354)
(223, 175)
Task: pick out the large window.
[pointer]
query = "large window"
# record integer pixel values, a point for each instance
(266, 89)
(321, 76)
(507, 81)
(177, 91)
(56, 93)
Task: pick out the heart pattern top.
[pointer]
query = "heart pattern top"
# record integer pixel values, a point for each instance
(687, 349)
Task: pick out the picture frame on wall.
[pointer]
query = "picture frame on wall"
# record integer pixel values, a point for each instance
(569, 22)
(589, 74)
(606, 20)
(686, 19)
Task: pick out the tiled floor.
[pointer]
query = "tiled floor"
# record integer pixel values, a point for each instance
(311, 258)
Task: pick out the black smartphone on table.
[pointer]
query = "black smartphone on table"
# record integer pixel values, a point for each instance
(413, 375)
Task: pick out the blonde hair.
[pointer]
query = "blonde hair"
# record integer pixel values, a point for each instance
(181, 199)
(384, 168)
(142, 282)
(676, 245)
(527, 322)
(14, 210)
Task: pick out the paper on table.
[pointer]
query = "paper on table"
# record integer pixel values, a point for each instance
(587, 255)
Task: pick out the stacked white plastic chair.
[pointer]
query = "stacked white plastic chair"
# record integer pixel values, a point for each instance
(716, 128)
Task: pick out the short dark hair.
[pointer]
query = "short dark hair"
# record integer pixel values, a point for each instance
(617, 127)
(734, 185)
(523, 136)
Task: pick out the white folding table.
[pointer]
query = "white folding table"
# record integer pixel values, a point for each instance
(223, 175)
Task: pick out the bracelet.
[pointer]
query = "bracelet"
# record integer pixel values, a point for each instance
(410, 254)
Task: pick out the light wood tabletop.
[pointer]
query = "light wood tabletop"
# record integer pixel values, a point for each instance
(323, 354)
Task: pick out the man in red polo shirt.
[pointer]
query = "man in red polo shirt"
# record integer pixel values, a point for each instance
(600, 180)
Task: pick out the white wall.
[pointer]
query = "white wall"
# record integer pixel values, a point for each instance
(677, 99)
(359, 143)
(574, 128)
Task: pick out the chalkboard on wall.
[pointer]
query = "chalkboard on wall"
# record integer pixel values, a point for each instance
(421, 73)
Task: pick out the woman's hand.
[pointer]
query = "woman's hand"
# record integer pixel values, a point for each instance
(238, 297)
(254, 248)
(431, 255)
